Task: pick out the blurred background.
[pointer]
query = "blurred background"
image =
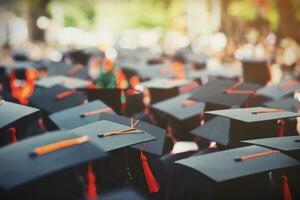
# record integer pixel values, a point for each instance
(222, 29)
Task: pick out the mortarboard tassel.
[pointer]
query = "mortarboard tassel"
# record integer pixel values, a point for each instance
(288, 85)
(65, 94)
(96, 112)
(286, 189)
(91, 183)
(281, 128)
(42, 124)
(75, 69)
(151, 181)
(12, 135)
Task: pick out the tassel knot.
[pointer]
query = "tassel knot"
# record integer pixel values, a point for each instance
(153, 186)
(91, 186)
(281, 128)
(13, 135)
(286, 189)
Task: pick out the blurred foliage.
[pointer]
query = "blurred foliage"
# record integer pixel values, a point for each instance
(77, 13)
(120, 13)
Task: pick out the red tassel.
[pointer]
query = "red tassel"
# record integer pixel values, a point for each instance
(151, 181)
(281, 128)
(41, 124)
(91, 186)
(12, 134)
(286, 189)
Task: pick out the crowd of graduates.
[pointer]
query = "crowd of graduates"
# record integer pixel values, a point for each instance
(151, 126)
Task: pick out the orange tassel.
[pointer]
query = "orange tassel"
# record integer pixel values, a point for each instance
(281, 128)
(65, 94)
(12, 134)
(151, 181)
(91, 184)
(286, 189)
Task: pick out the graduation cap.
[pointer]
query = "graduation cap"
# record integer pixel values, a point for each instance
(12, 117)
(116, 98)
(82, 56)
(179, 112)
(36, 164)
(290, 104)
(225, 93)
(66, 69)
(80, 115)
(112, 136)
(237, 163)
(154, 147)
(280, 90)
(216, 129)
(289, 144)
(255, 122)
(161, 88)
(20, 55)
(56, 98)
(68, 82)
(256, 71)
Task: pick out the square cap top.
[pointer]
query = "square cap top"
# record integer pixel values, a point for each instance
(214, 92)
(11, 112)
(97, 131)
(290, 104)
(279, 90)
(180, 107)
(68, 82)
(216, 129)
(111, 97)
(80, 115)
(30, 159)
(62, 68)
(238, 163)
(124, 193)
(155, 146)
(254, 114)
(288, 143)
(164, 83)
(56, 98)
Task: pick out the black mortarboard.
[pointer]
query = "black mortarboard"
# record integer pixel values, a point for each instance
(290, 104)
(288, 144)
(13, 118)
(66, 69)
(108, 143)
(238, 163)
(82, 56)
(80, 115)
(254, 123)
(279, 90)
(41, 156)
(20, 55)
(256, 71)
(254, 114)
(180, 113)
(67, 82)
(11, 112)
(155, 147)
(216, 129)
(56, 98)
(180, 107)
(124, 193)
(225, 92)
(161, 88)
(115, 97)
